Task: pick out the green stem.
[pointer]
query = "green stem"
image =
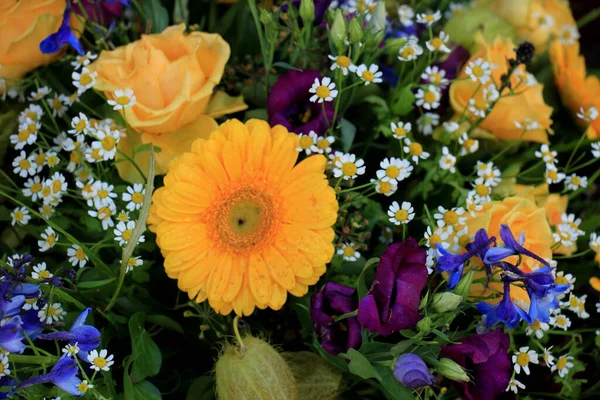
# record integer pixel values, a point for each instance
(589, 17)
(575, 149)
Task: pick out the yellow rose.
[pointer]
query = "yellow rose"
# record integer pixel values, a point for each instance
(554, 204)
(173, 76)
(23, 25)
(526, 104)
(522, 215)
(576, 89)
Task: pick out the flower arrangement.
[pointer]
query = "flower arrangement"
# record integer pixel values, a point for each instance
(331, 199)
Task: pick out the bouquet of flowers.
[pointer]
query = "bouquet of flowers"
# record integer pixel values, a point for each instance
(298, 199)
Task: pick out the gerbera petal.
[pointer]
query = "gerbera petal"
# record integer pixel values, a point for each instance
(260, 280)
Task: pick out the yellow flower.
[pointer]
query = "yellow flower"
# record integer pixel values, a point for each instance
(522, 215)
(576, 89)
(526, 104)
(240, 224)
(173, 76)
(23, 25)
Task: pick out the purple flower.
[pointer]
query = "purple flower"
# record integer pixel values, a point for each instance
(289, 105)
(412, 372)
(86, 337)
(454, 264)
(11, 335)
(393, 301)
(63, 375)
(64, 35)
(485, 357)
(510, 248)
(102, 12)
(505, 311)
(328, 303)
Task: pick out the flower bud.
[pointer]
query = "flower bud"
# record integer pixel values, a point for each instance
(338, 30)
(271, 28)
(258, 373)
(355, 31)
(464, 286)
(412, 372)
(451, 370)
(424, 325)
(444, 302)
(307, 12)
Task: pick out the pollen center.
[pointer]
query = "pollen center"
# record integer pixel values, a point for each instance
(243, 220)
(323, 92)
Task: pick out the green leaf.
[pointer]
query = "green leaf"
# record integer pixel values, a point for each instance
(359, 365)
(165, 322)
(361, 286)
(146, 354)
(257, 113)
(140, 276)
(145, 391)
(95, 284)
(390, 385)
(401, 347)
(156, 15)
(146, 147)
(181, 13)
(403, 100)
(201, 389)
(285, 65)
(348, 133)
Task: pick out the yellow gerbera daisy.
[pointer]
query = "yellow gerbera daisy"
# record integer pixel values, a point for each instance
(240, 224)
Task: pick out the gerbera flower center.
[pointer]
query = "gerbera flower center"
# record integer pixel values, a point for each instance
(343, 61)
(323, 92)
(243, 220)
(523, 359)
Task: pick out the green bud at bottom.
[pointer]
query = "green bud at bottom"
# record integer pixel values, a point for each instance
(451, 370)
(447, 301)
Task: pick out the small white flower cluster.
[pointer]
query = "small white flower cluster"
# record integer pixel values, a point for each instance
(568, 230)
(525, 356)
(552, 174)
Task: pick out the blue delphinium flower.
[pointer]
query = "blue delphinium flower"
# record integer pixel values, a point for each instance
(63, 375)
(11, 335)
(86, 337)
(8, 387)
(64, 35)
(505, 311)
(511, 247)
(126, 3)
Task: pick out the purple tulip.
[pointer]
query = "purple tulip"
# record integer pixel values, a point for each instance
(487, 360)
(393, 301)
(412, 372)
(289, 104)
(328, 303)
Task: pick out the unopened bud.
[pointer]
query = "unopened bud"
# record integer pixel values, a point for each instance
(464, 286)
(447, 301)
(338, 30)
(307, 12)
(424, 325)
(451, 370)
(355, 31)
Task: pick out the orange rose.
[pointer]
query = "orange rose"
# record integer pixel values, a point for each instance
(526, 103)
(173, 76)
(576, 89)
(522, 215)
(23, 25)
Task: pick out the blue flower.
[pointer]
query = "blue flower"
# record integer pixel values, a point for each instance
(64, 35)
(505, 311)
(454, 264)
(31, 323)
(63, 375)
(6, 382)
(511, 247)
(11, 335)
(86, 336)
(126, 3)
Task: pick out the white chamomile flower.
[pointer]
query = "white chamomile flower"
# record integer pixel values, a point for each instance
(123, 216)
(133, 262)
(595, 242)
(468, 145)
(429, 18)
(447, 161)
(478, 108)
(394, 170)
(122, 99)
(107, 142)
(564, 279)
(415, 150)
(482, 190)
(83, 60)
(473, 203)
(123, 232)
(323, 144)
(400, 129)
(589, 114)
(428, 98)
(33, 188)
(522, 358)
(435, 75)
(439, 43)
(40, 272)
(427, 122)
(23, 165)
(386, 188)
(548, 357)
(437, 237)
(39, 93)
(349, 252)
(574, 182)
(565, 235)
(77, 256)
(20, 215)
(100, 361)
(577, 305)
(80, 125)
(104, 214)
(69, 100)
(134, 196)
(573, 222)
(490, 93)
(26, 135)
(369, 75)
(563, 364)
(306, 143)
(349, 167)
(528, 124)
(49, 239)
(538, 328)
(51, 313)
(568, 35)
(543, 20)
(57, 106)
(343, 63)
(411, 50)
(596, 149)
(560, 321)
(552, 175)
(104, 194)
(514, 386)
(387, 235)
(400, 215)
(323, 91)
(4, 366)
(84, 386)
(52, 159)
(84, 80)
(479, 70)
(33, 112)
(455, 9)
(406, 15)
(451, 126)
(451, 217)
(71, 350)
(549, 156)
(58, 183)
